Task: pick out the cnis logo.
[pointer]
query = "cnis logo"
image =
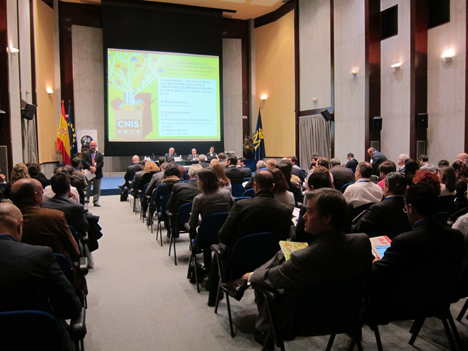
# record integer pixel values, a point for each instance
(128, 124)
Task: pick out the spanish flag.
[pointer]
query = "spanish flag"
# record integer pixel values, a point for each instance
(63, 139)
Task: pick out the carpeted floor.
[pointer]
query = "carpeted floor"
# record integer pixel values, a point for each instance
(139, 300)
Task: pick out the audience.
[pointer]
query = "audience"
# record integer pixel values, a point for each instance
(448, 180)
(402, 160)
(46, 227)
(296, 170)
(202, 161)
(411, 167)
(245, 170)
(424, 162)
(224, 181)
(184, 192)
(150, 170)
(334, 256)
(429, 177)
(235, 175)
(34, 170)
(19, 171)
(49, 193)
(131, 170)
(352, 162)
(386, 217)
(262, 213)
(74, 212)
(30, 277)
(363, 192)
(281, 189)
(376, 159)
(341, 175)
(419, 268)
(385, 168)
(212, 199)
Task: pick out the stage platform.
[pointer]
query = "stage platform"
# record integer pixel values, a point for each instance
(110, 185)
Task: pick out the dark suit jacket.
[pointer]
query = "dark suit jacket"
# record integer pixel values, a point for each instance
(341, 176)
(334, 255)
(377, 159)
(298, 172)
(74, 212)
(246, 171)
(235, 175)
(48, 227)
(131, 170)
(98, 159)
(182, 193)
(173, 155)
(417, 270)
(262, 213)
(204, 164)
(31, 279)
(386, 214)
(352, 164)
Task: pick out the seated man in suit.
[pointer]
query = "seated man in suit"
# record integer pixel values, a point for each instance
(131, 170)
(363, 191)
(30, 277)
(184, 192)
(387, 213)
(46, 227)
(418, 270)
(333, 256)
(202, 161)
(402, 159)
(352, 162)
(235, 175)
(211, 154)
(245, 170)
(74, 212)
(262, 213)
(341, 175)
(193, 156)
(171, 153)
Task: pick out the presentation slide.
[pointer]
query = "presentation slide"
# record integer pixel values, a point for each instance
(162, 96)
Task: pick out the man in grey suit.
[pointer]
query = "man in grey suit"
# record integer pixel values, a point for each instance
(334, 255)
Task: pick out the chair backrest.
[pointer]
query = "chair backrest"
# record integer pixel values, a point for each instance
(64, 264)
(343, 188)
(183, 214)
(29, 330)
(210, 226)
(357, 210)
(249, 193)
(241, 198)
(446, 203)
(237, 190)
(251, 251)
(331, 307)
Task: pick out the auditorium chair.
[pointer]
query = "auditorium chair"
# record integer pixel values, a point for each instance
(248, 253)
(177, 222)
(207, 234)
(326, 308)
(161, 211)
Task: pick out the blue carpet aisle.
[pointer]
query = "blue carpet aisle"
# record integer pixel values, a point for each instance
(110, 185)
(139, 300)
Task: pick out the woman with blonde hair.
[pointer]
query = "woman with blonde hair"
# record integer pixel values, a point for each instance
(224, 181)
(20, 171)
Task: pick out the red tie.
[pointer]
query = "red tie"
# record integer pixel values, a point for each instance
(94, 162)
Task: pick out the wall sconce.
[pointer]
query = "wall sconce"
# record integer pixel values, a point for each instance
(396, 66)
(12, 50)
(263, 97)
(49, 90)
(354, 72)
(448, 55)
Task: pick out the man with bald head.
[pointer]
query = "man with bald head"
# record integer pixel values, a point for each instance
(463, 157)
(46, 227)
(30, 277)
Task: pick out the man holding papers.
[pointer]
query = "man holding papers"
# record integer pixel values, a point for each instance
(334, 255)
(93, 161)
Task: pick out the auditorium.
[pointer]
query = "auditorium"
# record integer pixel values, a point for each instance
(128, 88)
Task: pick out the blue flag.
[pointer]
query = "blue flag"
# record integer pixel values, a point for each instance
(71, 132)
(258, 141)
